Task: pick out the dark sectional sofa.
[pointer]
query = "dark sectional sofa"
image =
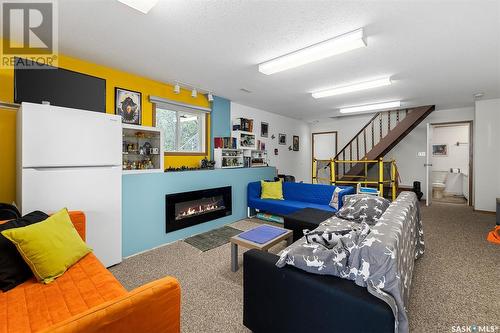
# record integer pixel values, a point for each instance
(288, 300)
(297, 196)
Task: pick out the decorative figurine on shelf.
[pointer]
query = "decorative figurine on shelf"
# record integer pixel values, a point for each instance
(183, 168)
(146, 148)
(206, 164)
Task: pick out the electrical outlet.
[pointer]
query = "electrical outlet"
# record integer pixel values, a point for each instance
(421, 154)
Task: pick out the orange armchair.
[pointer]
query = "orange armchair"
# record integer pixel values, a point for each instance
(154, 307)
(87, 298)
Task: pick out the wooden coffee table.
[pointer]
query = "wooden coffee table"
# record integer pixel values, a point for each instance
(251, 244)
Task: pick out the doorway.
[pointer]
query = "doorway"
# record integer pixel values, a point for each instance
(449, 163)
(324, 148)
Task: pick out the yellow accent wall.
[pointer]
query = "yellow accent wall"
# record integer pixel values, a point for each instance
(7, 155)
(114, 78)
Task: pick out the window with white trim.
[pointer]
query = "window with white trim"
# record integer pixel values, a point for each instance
(184, 131)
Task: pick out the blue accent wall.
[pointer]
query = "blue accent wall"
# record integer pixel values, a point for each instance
(143, 212)
(220, 119)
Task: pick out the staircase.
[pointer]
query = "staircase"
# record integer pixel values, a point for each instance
(384, 131)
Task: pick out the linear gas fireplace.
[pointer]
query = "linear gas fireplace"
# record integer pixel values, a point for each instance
(190, 208)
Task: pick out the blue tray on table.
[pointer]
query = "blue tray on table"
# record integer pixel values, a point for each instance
(262, 234)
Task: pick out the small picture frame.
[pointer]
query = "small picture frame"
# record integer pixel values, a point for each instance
(264, 129)
(296, 143)
(282, 139)
(440, 150)
(128, 104)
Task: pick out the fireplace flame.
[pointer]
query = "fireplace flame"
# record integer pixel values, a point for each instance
(197, 210)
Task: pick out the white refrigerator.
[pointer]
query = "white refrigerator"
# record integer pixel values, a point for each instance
(72, 158)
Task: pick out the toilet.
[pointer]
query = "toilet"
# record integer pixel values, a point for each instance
(438, 184)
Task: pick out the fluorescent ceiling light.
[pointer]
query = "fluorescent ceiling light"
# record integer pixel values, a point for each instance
(340, 44)
(352, 87)
(371, 107)
(144, 6)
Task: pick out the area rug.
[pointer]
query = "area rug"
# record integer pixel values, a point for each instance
(213, 238)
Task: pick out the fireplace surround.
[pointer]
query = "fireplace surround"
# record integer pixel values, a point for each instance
(186, 209)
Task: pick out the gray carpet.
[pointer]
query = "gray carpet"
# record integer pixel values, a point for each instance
(456, 282)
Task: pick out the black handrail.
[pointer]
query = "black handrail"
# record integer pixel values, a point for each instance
(345, 147)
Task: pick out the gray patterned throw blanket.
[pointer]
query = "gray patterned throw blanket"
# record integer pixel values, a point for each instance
(379, 257)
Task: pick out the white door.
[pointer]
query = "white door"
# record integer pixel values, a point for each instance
(428, 167)
(325, 145)
(324, 148)
(58, 137)
(94, 190)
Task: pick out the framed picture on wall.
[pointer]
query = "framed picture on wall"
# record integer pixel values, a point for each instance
(440, 150)
(282, 139)
(128, 104)
(264, 129)
(295, 143)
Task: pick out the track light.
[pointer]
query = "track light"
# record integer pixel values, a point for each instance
(177, 88)
(340, 44)
(352, 87)
(194, 90)
(371, 107)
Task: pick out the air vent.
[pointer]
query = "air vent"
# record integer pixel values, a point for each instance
(245, 90)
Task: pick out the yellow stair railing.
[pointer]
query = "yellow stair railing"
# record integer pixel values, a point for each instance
(363, 179)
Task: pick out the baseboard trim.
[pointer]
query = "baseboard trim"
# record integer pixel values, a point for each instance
(484, 211)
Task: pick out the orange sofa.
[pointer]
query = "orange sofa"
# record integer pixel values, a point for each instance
(88, 298)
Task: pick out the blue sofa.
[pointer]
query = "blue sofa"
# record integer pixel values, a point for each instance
(297, 196)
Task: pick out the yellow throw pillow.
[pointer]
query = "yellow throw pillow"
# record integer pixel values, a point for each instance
(49, 247)
(271, 190)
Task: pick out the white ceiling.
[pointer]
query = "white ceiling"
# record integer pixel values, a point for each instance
(438, 52)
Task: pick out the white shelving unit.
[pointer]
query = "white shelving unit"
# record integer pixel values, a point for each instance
(258, 158)
(228, 158)
(245, 140)
(142, 149)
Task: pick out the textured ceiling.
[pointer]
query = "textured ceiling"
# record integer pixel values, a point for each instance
(438, 52)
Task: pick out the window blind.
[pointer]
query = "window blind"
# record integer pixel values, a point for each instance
(177, 106)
